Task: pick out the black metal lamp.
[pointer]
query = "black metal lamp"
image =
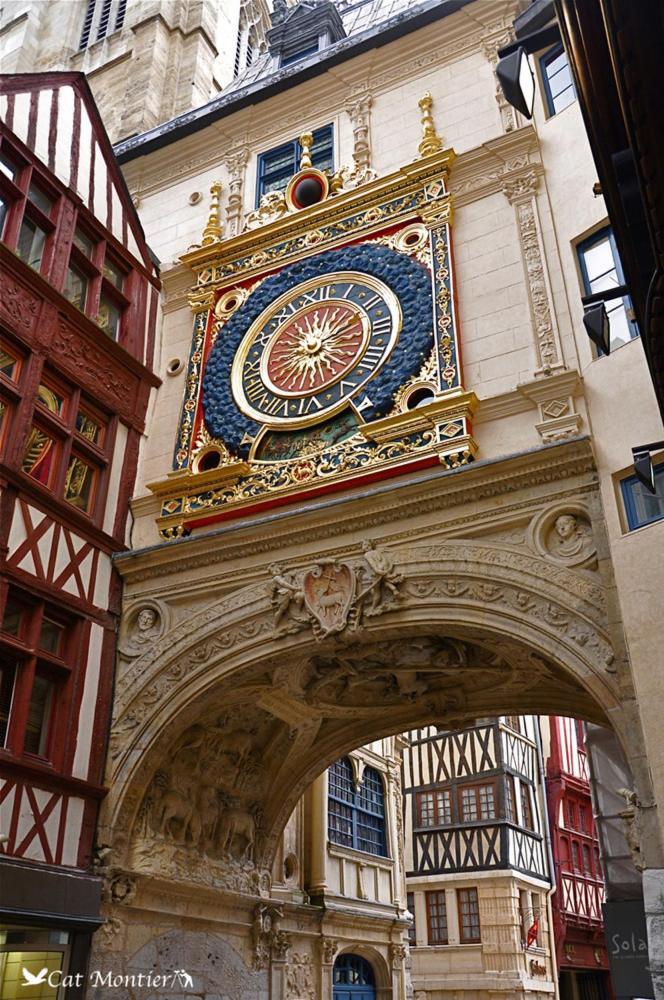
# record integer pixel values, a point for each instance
(517, 81)
(596, 322)
(643, 466)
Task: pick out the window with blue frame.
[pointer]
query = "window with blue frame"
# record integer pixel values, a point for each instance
(277, 166)
(641, 506)
(302, 48)
(559, 89)
(356, 815)
(353, 978)
(601, 269)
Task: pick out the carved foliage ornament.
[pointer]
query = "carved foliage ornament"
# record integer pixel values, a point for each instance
(332, 595)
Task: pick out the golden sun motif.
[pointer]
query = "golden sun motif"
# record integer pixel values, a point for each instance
(316, 348)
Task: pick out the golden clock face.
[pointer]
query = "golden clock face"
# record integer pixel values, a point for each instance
(315, 348)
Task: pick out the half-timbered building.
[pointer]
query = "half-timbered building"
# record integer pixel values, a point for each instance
(78, 300)
(577, 903)
(477, 860)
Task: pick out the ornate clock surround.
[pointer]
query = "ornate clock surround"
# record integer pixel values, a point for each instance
(397, 399)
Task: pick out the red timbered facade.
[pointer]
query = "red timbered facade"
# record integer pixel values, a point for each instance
(78, 304)
(577, 904)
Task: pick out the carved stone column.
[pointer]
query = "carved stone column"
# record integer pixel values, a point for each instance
(236, 163)
(393, 797)
(328, 948)
(359, 112)
(495, 39)
(280, 952)
(398, 958)
(318, 842)
(520, 190)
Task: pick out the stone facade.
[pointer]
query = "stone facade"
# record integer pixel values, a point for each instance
(488, 612)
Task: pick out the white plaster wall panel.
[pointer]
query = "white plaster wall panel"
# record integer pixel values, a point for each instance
(52, 823)
(86, 715)
(6, 810)
(84, 156)
(100, 193)
(63, 146)
(102, 581)
(44, 100)
(71, 839)
(21, 115)
(17, 532)
(44, 545)
(115, 475)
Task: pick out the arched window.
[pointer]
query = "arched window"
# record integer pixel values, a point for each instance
(356, 816)
(353, 978)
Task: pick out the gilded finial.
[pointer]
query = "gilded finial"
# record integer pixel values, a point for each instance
(213, 230)
(306, 141)
(431, 142)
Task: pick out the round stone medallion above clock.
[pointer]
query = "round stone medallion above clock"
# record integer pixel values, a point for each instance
(343, 328)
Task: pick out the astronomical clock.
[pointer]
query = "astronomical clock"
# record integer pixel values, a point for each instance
(325, 351)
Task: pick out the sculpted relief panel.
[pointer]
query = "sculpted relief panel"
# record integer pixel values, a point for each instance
(202, 810)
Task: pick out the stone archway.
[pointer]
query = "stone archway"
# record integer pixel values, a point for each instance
(450, 632)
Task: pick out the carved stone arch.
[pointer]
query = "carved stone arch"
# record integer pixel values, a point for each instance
(377, 961)
(478, 629)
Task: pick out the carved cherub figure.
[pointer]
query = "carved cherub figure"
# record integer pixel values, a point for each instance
(382, 580)
(287, 594)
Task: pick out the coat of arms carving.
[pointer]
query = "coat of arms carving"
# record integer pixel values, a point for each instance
(332, 595)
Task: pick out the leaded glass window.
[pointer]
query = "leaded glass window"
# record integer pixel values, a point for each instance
(356, 815)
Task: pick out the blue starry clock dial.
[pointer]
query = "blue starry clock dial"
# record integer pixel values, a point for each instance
(336, 334)
(314, 349)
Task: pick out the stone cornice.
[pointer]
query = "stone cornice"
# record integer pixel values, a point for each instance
(395, 503)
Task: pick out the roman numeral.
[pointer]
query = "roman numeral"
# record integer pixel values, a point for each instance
(284, 313)
(372, 356)
(346, 386)
(381, 326)
(318, 294)
(306, 405)
(276, 405)
(373, 301)
(363, 404)
(252, 368)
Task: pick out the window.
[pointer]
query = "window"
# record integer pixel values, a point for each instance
(276, 167)
(434, 808)
(526, 808)
(571, 814)
(95, 283)
(410, 904)
(477, 802)
(99, 16)
(587, 865)
(601, 270)
(641, 506)
(11, 363)
(37, 646)
(559, 89)
(353, 970)
(510, 799)
(436, 918)
(67, 447)
(299, 48)
(469, 915)
(576, 864)
(514, 722)
(356, 816)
